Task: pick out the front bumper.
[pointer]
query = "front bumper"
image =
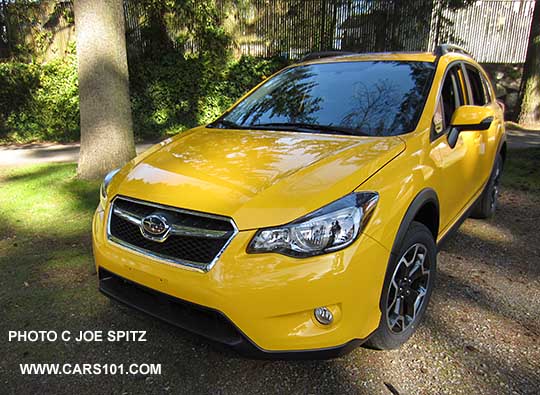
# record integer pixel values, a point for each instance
(263, 303)
(202, 320)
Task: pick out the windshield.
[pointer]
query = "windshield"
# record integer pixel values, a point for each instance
(382, 98)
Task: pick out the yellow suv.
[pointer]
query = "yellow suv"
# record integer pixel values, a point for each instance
(306, 219)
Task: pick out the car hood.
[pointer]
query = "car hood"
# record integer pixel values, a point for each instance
(258, 178)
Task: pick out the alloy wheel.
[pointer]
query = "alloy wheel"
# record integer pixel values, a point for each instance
(408, 289)
(495, 189)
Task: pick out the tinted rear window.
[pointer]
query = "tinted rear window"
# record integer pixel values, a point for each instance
(373, 98)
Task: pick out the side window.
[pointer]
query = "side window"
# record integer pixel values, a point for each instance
(477, 86)
(451, 98)
(487, 89)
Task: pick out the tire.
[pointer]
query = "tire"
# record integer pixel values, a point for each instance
(486, 204)
(417, 252)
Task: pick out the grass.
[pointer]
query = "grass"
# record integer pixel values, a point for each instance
(522, 171)
(44, 238)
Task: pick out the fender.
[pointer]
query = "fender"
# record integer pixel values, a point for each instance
(426, 195)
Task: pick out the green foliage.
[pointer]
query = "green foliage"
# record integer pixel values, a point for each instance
(163, 94)
(170, 94)
(182, 25)
(248, 72)
(39, 102)
(182, 74)
(17, 82)
(180, 92)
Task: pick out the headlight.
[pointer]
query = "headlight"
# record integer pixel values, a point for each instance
(330, 228)
(105, 184)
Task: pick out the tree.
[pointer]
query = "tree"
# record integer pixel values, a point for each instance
(529, 92)
(106, 126)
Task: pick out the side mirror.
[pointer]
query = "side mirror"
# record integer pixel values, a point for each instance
(469, 118)
(472, 118)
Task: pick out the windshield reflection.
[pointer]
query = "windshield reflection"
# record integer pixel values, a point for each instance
(380, 98)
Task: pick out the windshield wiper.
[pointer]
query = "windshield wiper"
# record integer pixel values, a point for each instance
(224, 123)
(308, 126)
(295, 126)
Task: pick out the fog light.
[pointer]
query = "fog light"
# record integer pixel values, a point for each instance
(323, 315)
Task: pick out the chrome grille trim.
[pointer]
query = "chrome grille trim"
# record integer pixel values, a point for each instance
(175, 229)
(179, 230)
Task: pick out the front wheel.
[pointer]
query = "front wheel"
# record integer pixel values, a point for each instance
(407, 289)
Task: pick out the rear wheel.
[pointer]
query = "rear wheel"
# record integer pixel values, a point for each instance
(487, 203)
(408, 285)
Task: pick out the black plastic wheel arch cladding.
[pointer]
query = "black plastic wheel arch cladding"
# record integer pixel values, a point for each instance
(501, 149)
(425, 196)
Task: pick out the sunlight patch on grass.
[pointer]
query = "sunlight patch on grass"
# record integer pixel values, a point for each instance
(487, 231)
(46, 200)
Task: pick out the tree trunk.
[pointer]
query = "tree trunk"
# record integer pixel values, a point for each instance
(106, 126)
(529, 92)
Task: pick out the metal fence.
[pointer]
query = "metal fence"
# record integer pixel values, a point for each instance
(292, 28)
(494, 31)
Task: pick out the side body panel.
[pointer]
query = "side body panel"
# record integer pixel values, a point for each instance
(457, 175)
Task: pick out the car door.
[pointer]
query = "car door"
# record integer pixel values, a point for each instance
(458, 166)
(487, 140)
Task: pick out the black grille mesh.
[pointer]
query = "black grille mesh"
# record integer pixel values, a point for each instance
(194, 249)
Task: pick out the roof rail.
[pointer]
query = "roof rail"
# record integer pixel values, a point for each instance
(443, 49)
(325, 54)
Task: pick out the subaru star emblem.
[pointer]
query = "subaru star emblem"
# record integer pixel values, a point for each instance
(155, 227)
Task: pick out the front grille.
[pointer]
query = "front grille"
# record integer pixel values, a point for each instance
(196, 239)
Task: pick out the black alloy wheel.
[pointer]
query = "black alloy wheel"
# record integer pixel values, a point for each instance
(408, 285)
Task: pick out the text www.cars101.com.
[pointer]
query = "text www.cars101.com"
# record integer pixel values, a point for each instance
(89, 369)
